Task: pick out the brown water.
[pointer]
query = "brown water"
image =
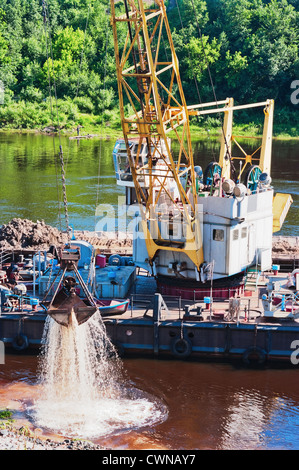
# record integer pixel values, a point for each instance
(205, 405)
(83, 390)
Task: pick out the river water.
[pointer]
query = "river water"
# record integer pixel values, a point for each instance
(30, 177)
(213, 406)
(196, 405)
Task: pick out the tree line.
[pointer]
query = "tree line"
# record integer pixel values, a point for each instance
(240, 48)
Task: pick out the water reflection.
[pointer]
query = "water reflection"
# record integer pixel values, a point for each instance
(247, 418)
(218, 406)
(210, 406)
(30, 184)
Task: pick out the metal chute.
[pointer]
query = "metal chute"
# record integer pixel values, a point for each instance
(65, 305)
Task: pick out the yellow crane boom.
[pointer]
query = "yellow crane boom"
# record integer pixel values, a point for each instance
(150, 87)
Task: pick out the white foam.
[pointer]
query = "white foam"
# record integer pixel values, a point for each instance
(84, 393)
(100, 418)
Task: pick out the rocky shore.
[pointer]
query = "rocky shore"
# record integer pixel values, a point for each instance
(23, 439)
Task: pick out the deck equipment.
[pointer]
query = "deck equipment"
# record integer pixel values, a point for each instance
(194, 227)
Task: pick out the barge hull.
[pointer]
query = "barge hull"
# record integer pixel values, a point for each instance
(173, 339)
(248, 342)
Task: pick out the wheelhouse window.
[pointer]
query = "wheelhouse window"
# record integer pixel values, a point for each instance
(235, 234)
(218, 235)
(244, 232)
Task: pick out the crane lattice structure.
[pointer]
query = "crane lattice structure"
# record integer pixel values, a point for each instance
(150, 87)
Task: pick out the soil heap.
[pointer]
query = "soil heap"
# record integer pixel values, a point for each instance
(120, 242)
(20, 234)
(285, 246)
(24, 234)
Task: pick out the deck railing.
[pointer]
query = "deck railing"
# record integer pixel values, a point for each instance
(5, 256)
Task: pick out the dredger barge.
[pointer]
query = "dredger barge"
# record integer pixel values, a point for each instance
(257, 323)
(202, 237)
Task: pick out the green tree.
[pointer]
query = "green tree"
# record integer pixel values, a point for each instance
(266, 35)
(247, 49)
(3, 42)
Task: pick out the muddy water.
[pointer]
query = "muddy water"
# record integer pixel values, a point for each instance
(84, 393)
(206, 405)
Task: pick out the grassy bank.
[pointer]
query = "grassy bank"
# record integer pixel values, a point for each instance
(69, 114)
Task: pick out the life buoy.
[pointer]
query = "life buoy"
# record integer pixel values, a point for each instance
(20, 342)
(254, 355)
(181, 347)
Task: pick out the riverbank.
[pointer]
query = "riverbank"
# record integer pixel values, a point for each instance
(107, 133)
(23, 439)
(91, 125)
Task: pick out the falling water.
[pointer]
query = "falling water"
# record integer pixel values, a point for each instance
(83, 389)
(77, 361)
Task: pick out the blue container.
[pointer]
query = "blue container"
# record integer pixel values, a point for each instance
(275, 268)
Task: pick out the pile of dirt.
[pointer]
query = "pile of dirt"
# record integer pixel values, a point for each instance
(21, 234)
(286, 246)
(106, 240)
(24, 234)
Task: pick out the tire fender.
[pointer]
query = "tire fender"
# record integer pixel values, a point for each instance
(181, 347)
(254, 355)
(20, 342)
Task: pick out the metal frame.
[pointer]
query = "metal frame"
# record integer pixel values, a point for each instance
(225, 159)
(154, 118)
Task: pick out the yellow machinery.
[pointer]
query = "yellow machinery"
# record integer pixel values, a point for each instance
(153, 119)
(177, 214)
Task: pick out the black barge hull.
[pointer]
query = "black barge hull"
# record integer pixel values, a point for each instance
(178, 339)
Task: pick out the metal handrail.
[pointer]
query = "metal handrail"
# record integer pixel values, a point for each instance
(5, 256)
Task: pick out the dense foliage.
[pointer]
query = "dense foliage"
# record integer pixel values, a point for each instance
(248, 47)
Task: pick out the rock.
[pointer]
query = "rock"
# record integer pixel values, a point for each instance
(15, 439)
